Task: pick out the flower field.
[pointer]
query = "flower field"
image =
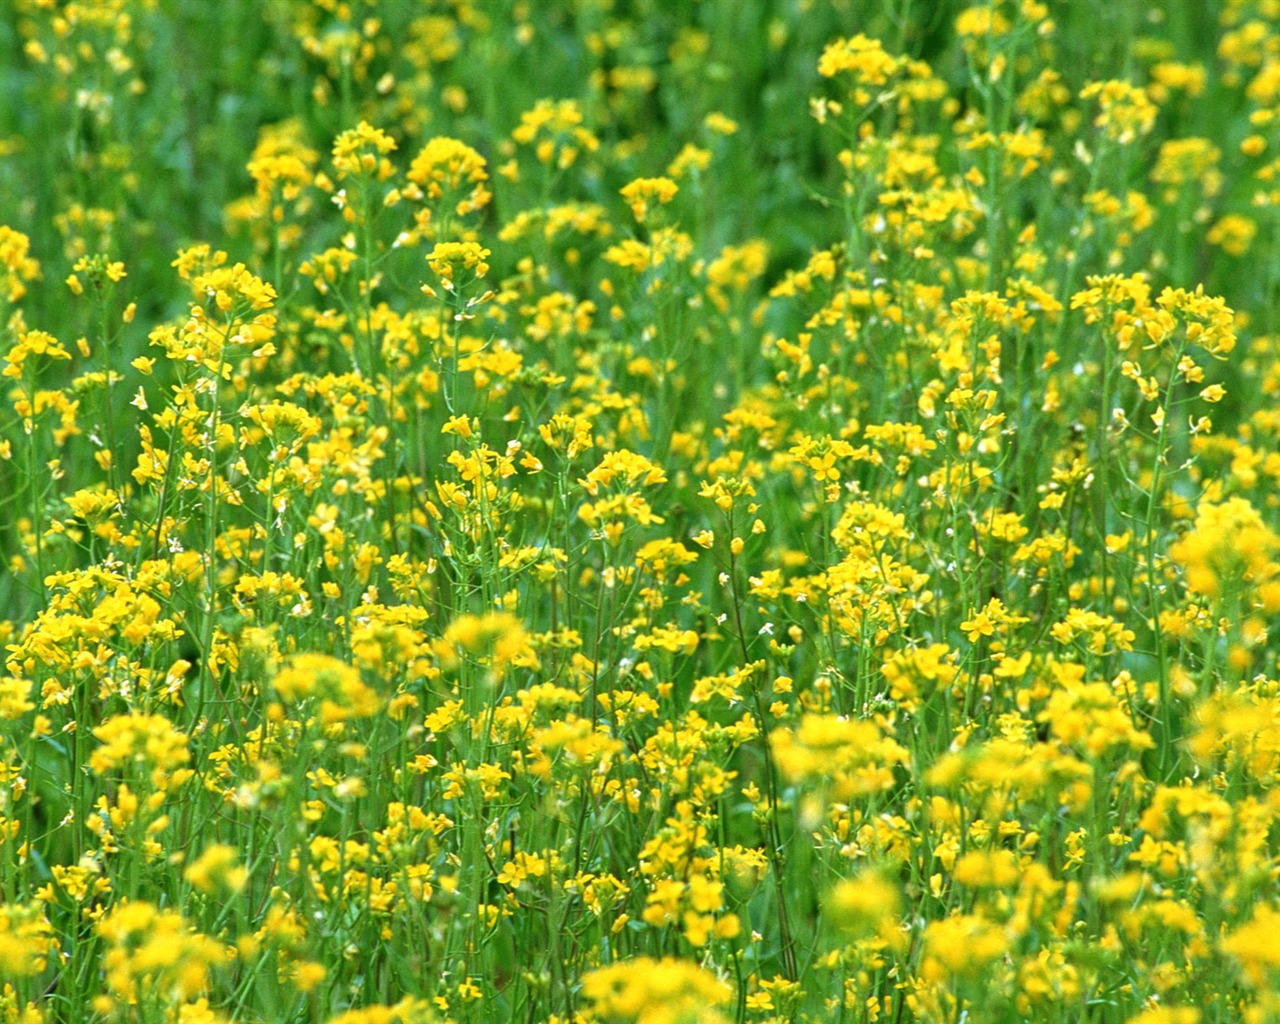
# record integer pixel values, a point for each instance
(639, 512)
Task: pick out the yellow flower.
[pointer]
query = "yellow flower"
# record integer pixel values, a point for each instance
(134, 741)
(152, 954)
(649, 991)
(406, 1011)
(643, 191)
(217, 869)
(1167, 1015)
(338, 685)
(720, 124)
(556, 131)
(961, 946)
(1229, 546)
(445, 168)
(447, 258)
(1126, 110)
(866, 906)
(864, 60)
(1255, 945)
(17, 269)
(361, 152)
(854, 757)
(1233, 234)
(26, 940)
(497, 639)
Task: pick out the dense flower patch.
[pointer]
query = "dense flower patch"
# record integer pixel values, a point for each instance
(639, 512)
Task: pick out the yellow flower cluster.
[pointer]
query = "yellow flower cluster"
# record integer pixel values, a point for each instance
(571, 539)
